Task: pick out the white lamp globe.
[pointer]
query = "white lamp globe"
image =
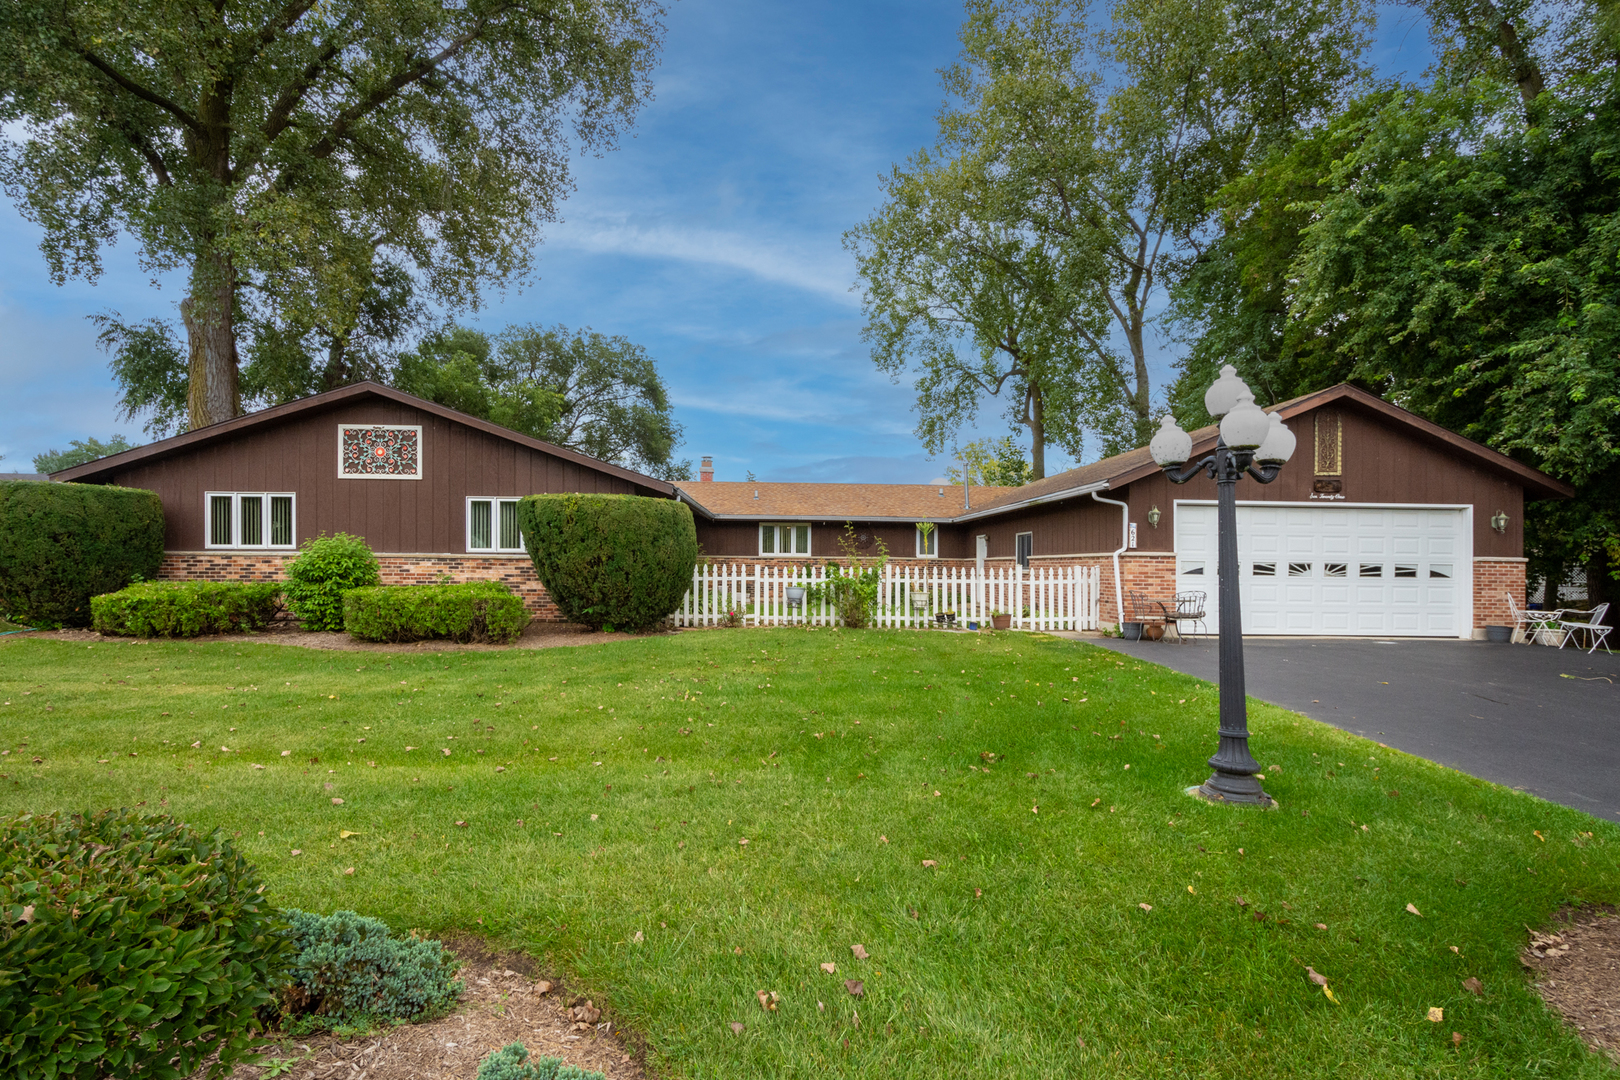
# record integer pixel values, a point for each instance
(1279, 443)
(1170, 445)
(1245, 425)
(1223, 392)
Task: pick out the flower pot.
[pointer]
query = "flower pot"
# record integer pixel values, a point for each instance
(1501, 635)
(1153, 631)
(1001, 622)
(973, 624)
(1131, 631)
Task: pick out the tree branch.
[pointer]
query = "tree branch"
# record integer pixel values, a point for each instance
(151, 97)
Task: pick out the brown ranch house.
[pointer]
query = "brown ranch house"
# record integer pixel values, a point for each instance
(1382, 524)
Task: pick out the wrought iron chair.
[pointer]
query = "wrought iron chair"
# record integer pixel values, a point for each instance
(1190, 609)
(1527, 623)
(1593, 626)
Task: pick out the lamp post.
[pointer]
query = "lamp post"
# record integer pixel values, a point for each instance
(1252, 443)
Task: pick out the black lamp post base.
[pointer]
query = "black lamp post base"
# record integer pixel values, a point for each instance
(1222, 789)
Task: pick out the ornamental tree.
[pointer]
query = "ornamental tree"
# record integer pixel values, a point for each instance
(280, 150)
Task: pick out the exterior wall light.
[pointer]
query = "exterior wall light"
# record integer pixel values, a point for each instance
(1499, 522)
(1153, 517)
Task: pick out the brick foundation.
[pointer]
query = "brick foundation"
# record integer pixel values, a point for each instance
(1494, 581)
(515, 570)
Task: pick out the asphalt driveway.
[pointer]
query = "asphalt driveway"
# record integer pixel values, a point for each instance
(1542, 720)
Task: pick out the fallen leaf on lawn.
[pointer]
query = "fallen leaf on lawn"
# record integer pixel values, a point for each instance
(1538, 836)
(1240, 902)
(1094, 802)
(337, 802)
(286, 753)
(767, 1001)
(196, 745)
(883, 839)
(1436, 1015)
(821, 1006)
(738, 950)
(295, 851)
(344, 834)
(1454, 949)
(928, 863)
(1328, 991)
(408, 749)
(1315, 976)
(1456, 1038)
(742, 842)
(1192, 890)
(1413, 909)
(1321, 926)
(349, 872)
(936, 794)
(736, 1028)
(1474, 986)
(977, 893)
(258, 766)
(445, 750)
(1145, 907)
(830, 968)
(461, 824)
(856, 987)
(860, 952)
(1034, 809)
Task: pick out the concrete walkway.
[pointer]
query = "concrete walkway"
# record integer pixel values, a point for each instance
(1542, 720)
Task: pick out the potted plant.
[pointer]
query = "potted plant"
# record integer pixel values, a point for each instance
(1153, 631)
(1000, 620)
(795, 595)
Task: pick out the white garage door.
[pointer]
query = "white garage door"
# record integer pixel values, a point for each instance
(1350, 570)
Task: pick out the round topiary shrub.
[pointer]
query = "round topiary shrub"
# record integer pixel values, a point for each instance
(611, 561)
(130, 946)
(326, 565)
(61, 544)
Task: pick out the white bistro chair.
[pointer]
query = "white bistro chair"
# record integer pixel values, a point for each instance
(1591, 625)
(1527, 624)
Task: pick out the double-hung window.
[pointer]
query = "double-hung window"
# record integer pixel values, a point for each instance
(1025, 547)
(492, 524)
(784, 540)
(249, 519)
(927, 542)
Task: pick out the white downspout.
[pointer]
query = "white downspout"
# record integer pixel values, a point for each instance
(1124, 543)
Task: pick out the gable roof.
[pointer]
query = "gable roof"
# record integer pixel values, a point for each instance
(226, 429)
(723, 499)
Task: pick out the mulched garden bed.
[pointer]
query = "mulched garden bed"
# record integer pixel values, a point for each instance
(1576, 964)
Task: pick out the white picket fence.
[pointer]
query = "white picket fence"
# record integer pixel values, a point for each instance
(1036, 597)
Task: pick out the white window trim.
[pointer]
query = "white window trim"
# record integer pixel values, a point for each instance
(494, 526)
(758, 533)
(236, 498)
(378, 427)
(1031, 556)
(921, 554)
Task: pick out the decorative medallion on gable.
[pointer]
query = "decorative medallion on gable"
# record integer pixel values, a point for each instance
(380, 451)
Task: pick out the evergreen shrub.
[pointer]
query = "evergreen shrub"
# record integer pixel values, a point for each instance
(352, 972)
(511, 1062)
(317, 578)
(61, 544)
(611, 561)
(186, 608)
(130, 946)
(484, 611)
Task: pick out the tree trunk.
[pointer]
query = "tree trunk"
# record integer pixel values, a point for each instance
(213, 395)
(1037, 432)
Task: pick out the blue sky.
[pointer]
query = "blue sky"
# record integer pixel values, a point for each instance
(712, 236)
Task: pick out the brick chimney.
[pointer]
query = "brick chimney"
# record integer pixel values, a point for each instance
(706, 472)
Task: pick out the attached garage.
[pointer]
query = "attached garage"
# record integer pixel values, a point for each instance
(1348, 570)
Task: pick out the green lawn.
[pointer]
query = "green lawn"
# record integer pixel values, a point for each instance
(633, 769)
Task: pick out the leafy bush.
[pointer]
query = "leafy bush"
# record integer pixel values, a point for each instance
(511, 1062)
(325, 567)
(350, 971)
(852, 587)
(476, 611)
(186, 608)
(129, 946)
(611, 560)
(61, 544)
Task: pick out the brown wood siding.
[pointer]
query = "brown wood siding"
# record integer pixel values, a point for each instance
(1079, 526)
(1381, 465)
(301, 455)
(736, 539)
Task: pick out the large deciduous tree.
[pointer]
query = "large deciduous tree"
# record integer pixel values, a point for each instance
(1032, 244)
(277, 150)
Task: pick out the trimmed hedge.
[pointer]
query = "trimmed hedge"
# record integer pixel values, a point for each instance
(130, 946)
(476, 611)
(350, 971)
(611, 561)
(61, 544)
(186, 608)
(327, 566)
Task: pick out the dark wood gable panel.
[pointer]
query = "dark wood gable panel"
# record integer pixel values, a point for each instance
(299, 453)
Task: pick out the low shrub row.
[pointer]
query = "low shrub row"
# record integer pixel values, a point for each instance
(485, 611)
(186, 608)
(136, 946)
(512, 1062)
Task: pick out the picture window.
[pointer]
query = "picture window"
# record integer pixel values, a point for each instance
(250, 519)
(784, 540)
(492, 525)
